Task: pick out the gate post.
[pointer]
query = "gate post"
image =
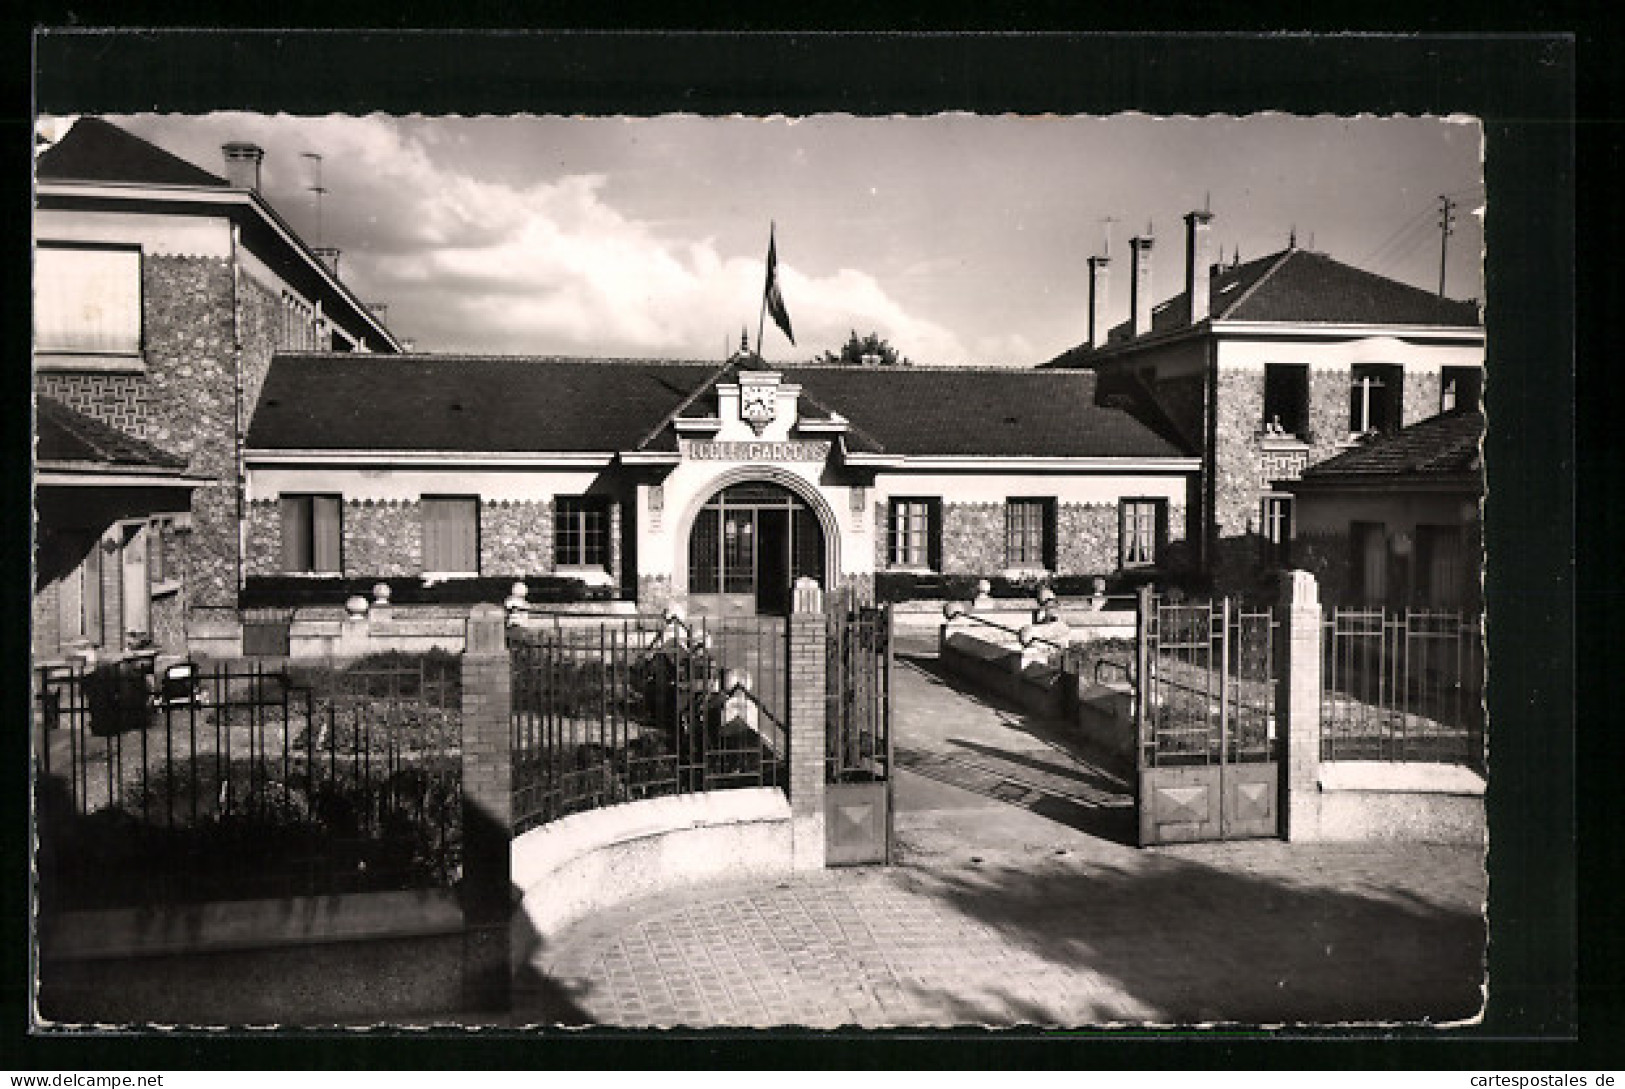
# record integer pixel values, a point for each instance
(487, 896)
(808, 712)
(1298, 705)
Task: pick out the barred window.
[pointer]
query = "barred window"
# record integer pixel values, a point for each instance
(581, 531)
(1275, 525)
(1029, 533)
(1140, 531)
(914, 533)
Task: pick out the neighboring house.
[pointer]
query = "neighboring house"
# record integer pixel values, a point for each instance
(160, 293)
(712, 486)
(1270, 366)
(1395, 521)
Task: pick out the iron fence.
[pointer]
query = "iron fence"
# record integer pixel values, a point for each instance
(239, 780)
(1207, 681)
(857, 692)
(1402, 685)
(621, 711)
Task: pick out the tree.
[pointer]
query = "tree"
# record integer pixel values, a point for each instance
(865, 351)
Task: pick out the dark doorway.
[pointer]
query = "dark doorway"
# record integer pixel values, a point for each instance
(773, 562)
(748, 546)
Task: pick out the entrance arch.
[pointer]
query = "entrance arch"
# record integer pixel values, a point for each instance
(743, 546)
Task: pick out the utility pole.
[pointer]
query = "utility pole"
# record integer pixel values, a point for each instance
(1447, 224)
(318, 189)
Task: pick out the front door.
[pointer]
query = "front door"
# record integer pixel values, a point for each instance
(747, 547)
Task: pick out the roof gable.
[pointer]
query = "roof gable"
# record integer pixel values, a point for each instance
(95, 150)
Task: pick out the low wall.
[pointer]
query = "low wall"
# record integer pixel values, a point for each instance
(1102, 712)
(590, 861)
(1362, 800)
(307, 961)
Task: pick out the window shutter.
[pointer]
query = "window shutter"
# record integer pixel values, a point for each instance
(1051, 549)
(435, 538)
(93, 592)
(295, 533)
(1160, 541)
(451, 534)
(1124, 514)
(325, 533)
(933, 534)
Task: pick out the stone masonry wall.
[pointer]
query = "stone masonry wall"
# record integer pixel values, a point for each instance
(383, 538)
(1238, 462)
(1086, 538)
(1422, 392)
(264, 539)
(972, 538)
(516, 538)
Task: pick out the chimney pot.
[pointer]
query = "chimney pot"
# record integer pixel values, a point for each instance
(1198, 288)
(329, 256)
(1140, 285)
(243, 164)
(1100, 269)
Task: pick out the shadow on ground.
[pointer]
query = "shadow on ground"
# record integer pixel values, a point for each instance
(1182, 942)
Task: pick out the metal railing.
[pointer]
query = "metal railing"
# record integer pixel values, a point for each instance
(1206, 683)
(857, 694)
(1402, 686)
(234, 780)
(645, 707)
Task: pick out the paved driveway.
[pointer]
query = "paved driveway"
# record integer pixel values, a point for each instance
(1019, 900)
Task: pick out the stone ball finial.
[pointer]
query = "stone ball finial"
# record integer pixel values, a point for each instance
(380, 593)
(983, 587)
(1046, 596)
(519, 590)
(356, 606)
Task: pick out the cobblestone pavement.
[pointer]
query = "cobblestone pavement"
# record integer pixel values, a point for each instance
(1019, 901)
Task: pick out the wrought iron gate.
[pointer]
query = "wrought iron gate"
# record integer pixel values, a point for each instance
(1208, 766)
(858, 816)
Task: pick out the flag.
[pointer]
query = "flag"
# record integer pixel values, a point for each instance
(775, 301)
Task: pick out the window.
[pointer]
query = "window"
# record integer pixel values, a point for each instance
(1440, 575)
(79, 602)
(1029, 533)
(1286, 399)
(451, 534)
(1368, 562)
(580, 531)
(1460, 387)
(1374, 398)
(1141, 528)
(916, 533)
(87, 299)
(1275, 525)
(310, 533)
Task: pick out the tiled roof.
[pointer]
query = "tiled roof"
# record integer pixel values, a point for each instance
(67, 435)
(95, 150)
(1298, 287)
(508, 404)
(1441, 446)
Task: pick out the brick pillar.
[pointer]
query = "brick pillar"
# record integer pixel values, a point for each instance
(487, 894)
(807, 726)
(1298, 704)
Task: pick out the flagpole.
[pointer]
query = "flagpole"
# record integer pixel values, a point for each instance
(761, 321)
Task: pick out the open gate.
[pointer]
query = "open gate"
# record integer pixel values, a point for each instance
(858, 811)
(1208, 765)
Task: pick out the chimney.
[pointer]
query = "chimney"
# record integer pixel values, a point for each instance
(1100, 276)
(243, 165)
(380, 311)
(1140, 286)
(1197, 272)
(329, 256)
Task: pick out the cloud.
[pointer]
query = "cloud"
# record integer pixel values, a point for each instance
(545, 266)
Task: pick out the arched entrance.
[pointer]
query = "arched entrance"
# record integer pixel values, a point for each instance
(748, 545)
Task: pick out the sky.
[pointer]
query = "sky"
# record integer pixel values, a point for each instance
(960, 239)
